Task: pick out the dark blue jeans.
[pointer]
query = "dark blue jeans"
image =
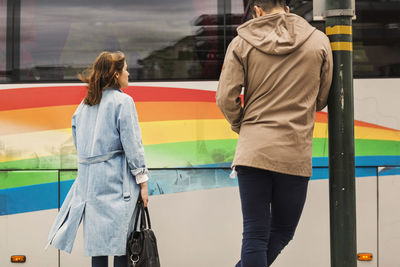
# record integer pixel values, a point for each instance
(102, 261)
(272, 204)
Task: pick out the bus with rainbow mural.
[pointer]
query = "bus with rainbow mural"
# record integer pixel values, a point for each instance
(174, 53)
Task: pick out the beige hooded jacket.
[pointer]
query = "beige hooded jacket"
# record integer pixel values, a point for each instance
(285, 67)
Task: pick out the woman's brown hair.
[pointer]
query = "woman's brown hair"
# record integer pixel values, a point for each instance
(102, 75)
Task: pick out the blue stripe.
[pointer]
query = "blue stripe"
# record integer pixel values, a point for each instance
(167, 181)
(28, 198)
(32, 198)
(389, 171)
(323, 173)
(362, 161)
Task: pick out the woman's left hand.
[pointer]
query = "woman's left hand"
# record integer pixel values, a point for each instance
(144, 193)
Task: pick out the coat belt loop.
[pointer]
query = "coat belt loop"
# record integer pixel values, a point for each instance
(126, 185)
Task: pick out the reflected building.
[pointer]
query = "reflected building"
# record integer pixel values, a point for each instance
(186, 41)
(198, 56)
(376, 36)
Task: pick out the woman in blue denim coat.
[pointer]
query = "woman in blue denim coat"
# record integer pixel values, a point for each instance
(111, 166)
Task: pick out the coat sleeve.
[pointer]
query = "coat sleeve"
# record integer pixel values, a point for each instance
(325, 77)
(131, 138)
(73, 123)
(230, 86)
(73, 127)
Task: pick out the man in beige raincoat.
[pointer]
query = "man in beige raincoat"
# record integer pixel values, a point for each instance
(285, 67)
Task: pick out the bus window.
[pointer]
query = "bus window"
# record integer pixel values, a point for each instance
(3, 23)
(376, 37)
(234, 18)
(162, 40)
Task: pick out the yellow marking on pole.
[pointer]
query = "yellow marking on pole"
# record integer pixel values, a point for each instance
(342, 46)
(339, 29)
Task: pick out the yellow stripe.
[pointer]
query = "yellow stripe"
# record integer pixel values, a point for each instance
(59, 142)
(339, 29)
(376, 134)
(36, 145)
(342, 46)
(321, 131)
(185, 130)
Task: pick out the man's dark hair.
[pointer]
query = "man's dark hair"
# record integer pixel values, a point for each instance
(267, 5)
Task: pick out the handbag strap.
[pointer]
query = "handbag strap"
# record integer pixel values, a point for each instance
(144, 215)
(148, 217)
(139, 213)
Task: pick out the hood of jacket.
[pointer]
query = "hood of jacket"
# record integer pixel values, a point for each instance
(276, 34)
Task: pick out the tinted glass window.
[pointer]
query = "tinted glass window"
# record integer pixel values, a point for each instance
(162, 40)
(3, 23)
(376, 36)
(234, 18)
(171, 40)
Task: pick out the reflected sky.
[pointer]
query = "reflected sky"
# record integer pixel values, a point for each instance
(74, 32)
(70, 34)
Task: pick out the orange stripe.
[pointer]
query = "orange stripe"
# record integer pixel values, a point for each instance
(163, 111)
(370, 125)
(35, 119)
(59, 117)
(322, 117)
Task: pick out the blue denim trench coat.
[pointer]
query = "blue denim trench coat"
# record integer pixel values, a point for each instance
(104, 195)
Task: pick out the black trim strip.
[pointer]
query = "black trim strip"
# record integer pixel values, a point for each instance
(13, 39)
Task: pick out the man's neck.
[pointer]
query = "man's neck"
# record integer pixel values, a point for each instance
(275, 10)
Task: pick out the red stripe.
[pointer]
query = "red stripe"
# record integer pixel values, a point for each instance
(35, 97)
(370, 125)
(72, 95)
(321, 116)
(41, 97)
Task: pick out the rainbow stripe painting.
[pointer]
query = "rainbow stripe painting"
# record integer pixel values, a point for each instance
(182, 129)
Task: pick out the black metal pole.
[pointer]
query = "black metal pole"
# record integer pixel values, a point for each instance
(339, 15)
(13, 32)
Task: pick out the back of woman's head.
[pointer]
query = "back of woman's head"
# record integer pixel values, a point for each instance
(101, 75)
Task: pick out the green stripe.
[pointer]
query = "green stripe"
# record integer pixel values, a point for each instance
(11, 179)
(320, 147)
(66, 161)
(187, 154)
(363, 147)
(68, 175)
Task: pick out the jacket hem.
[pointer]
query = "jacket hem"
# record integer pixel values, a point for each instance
(274, 166)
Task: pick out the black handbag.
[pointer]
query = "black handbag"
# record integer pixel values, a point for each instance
(141, 248)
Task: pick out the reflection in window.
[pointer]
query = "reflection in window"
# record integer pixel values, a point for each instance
(234, 19)
(376, 36)
(3, 23)
(173, 40)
